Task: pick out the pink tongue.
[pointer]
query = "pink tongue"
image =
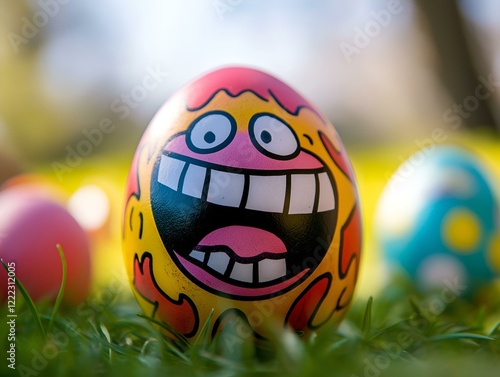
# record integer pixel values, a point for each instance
(245, 241)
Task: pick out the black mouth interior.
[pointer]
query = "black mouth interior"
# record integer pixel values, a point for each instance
(183, 221)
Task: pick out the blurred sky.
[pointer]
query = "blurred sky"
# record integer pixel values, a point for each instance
(89, 53)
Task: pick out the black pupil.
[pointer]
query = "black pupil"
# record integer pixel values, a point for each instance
(266, 137)
(209, 137)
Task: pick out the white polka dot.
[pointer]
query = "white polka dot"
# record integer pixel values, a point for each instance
(459, 182)
(438, 270)
(90, 207)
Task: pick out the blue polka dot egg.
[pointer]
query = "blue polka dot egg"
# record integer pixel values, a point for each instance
(438, 219)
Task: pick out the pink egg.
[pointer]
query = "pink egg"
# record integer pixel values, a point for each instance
(37, 183)
(31, 225)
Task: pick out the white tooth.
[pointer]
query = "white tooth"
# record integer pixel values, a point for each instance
(242, 272)
(302, 193)
(326, 195)
(198, 255)
(226, 188)
(267, 193)
(170, 171)
(194, 180)
(271, 269)
(218, 262)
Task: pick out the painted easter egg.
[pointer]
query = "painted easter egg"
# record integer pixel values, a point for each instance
(241, 201)
(438, 219)
(32, 223)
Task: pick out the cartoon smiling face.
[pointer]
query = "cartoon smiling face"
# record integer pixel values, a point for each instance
(247, 195)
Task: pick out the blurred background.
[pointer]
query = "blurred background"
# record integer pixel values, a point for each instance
(392, 76)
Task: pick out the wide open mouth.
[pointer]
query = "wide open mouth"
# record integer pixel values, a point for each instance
(241, 232)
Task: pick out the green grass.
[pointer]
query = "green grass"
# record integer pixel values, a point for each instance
(397, 333)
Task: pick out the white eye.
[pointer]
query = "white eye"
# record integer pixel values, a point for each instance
(212, 132)
(273, 137)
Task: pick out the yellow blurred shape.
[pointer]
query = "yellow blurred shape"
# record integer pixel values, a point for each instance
(461, 231)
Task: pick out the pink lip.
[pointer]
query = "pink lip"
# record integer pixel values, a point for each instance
(217, 284)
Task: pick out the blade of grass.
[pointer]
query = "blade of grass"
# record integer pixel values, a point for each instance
(396, 326)
(163, 325)
(29, 302)
(60, 295)
(336, 345)
(494, 329)
(146, 345)
(460, 336)
(227, 364)
(204, 330)
(105, 332)
(367, 318)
